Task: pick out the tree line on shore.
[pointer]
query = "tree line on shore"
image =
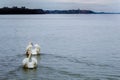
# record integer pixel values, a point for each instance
(24, 10)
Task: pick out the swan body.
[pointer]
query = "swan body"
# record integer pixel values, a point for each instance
(36, 50)
(30, 62)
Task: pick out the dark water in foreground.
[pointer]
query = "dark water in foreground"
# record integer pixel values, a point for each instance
(74, 47)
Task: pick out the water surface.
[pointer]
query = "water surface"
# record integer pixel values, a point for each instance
(73, 47)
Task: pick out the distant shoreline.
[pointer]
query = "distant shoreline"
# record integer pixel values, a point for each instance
(26, 11)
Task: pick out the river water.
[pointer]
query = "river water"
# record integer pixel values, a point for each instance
(73, 47)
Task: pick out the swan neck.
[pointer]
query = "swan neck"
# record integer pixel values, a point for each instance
(29, 57)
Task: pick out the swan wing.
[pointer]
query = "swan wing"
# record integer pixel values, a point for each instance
(28, 47)
(25, 61)
(34, 51)
(34, 60)
(30, 64)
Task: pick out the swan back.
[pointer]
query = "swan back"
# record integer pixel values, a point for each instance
(34, 52)
(37, 47)
(25, 61)
(30, 63)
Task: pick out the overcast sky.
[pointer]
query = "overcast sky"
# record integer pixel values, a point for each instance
(96, 5)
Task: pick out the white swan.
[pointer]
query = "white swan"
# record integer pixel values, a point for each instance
(30, 62)
(36, 50)
(29, 47)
